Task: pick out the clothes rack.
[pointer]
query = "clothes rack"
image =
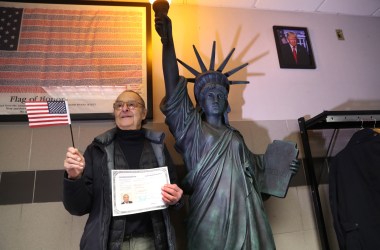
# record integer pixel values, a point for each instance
(330, 120)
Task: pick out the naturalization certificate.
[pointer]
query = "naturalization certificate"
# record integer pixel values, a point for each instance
(138, 190)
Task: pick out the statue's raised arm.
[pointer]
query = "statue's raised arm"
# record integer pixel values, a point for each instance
(163, 27)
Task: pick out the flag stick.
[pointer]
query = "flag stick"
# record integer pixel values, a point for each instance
(72, 138)
(69, 118)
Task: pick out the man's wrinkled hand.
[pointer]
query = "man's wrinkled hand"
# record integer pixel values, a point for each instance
(74, 163)
(171, 194)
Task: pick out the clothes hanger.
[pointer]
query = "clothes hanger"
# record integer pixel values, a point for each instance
(377, 130)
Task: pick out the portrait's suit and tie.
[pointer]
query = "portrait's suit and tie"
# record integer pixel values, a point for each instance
(293, 54)
(301, 55)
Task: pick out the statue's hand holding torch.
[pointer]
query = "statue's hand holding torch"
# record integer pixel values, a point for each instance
(162, 21)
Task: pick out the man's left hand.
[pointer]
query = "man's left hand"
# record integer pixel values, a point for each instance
(171, 194)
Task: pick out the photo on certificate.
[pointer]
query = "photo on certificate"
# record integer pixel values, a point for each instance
(138, 190)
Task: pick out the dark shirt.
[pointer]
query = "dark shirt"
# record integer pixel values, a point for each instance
(132, 144)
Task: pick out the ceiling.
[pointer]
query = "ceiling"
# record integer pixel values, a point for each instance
(343, 7)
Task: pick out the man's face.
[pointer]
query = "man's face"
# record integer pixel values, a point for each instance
(128, 118)
(126, 198)
(214, 102)
(292, 39)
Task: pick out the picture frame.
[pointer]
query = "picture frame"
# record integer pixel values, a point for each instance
(302, 57)
(102, 50)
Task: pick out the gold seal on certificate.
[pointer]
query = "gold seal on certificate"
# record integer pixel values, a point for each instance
(138, 190)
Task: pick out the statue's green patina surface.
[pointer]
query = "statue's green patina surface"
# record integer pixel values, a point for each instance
(225, 180)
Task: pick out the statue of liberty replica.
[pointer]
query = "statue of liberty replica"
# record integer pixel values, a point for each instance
(225, 180)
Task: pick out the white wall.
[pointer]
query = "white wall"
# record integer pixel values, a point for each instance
(346, 76)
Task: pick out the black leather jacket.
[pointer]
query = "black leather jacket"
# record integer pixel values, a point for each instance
(91, 194)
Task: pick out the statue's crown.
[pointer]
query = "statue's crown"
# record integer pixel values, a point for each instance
(210, 75)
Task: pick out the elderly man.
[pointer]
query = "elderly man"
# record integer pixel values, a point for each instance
(87, 182)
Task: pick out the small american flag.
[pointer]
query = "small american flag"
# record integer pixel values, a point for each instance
(50, 113)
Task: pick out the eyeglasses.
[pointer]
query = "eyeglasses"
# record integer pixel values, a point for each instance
(131, 105)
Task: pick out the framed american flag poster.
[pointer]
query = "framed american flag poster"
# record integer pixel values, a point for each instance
(84, 53)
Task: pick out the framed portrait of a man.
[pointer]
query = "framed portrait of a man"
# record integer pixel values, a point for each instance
(294, 47)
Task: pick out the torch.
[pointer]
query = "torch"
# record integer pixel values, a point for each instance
(161, 8)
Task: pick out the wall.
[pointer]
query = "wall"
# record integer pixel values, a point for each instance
(345, 78)
(31, 214)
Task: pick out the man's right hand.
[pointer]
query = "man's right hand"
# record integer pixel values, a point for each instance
(74, 163)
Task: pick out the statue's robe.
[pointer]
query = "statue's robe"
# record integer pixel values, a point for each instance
(225, 206)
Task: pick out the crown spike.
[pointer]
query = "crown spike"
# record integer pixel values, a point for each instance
(233, 71)
(224, 63)
(193, 71)
(201, 64)
(211, 76)
(212, 60)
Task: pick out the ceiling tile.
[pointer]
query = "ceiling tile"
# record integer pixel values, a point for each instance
(289, 5)
(377, 13)
(352, 7)
(349, 7)
(223, 3)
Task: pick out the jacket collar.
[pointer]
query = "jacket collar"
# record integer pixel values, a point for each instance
(107, 137)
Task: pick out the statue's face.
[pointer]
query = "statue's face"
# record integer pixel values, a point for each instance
(214, 102)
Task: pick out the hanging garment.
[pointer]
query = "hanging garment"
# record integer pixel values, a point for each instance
(354, 189)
